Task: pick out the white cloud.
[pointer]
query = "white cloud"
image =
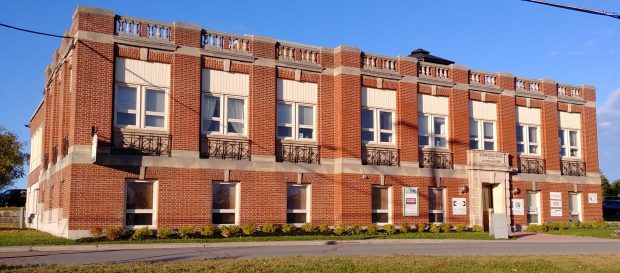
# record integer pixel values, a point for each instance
(608, 117)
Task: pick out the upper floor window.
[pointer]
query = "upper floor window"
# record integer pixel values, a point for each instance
(569, 143)
(223, 114)
(377, 126)
(432, 131)
(295, 121)
(528, 139)
(482, 135)
(139, 106)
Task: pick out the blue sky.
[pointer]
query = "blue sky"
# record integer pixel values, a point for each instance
(524, 39)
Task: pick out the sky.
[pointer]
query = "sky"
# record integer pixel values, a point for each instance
(521, 38)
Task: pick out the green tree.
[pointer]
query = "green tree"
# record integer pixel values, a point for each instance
(12, 159)
(605, 186)
(615, 188)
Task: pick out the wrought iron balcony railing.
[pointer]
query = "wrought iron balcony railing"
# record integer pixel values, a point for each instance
(573, 168)
(531, 165)
(54, 154)
(46, 161)
(298, 153)
(380, 156)
(142, 144)
(436, 160)
(65, 146)
(222, 148)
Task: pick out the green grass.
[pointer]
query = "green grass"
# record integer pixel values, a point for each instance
(29, 237)
(392, 264)
(600, 233)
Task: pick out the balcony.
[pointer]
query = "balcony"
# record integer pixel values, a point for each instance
(298, 153)
(54, 154)
(225, 148)
(64, 150)
(380, 156)
(142, 144)
(531, 165)
(573, 168)
(46, 161)
(436, 160)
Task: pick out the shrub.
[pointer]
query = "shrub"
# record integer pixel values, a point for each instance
(551, 226)
(460, 227)
(96, 232)
(476, 228)
(141, 233)
(288, 228)
(575, 225)
(532, 228)
(445, 228)
(389, 229)
(268, 228)
(420, 227)
(187, 232)
(249, 229)
(230, 231)
(113, 233)
(163, 233)
(404, 228)
(354, 229)
(434, 229)
(563, 225)
(208, 231)
(339, 230)
(324, 228)
(308, 228)
(372, 230)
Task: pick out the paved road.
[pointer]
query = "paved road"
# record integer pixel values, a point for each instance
(322, 248)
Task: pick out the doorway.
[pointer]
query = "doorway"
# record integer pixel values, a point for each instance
(487, 205)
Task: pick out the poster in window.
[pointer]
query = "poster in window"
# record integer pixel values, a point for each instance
(518, 207)
(556, 212)
(459, 206)
(410, 201)
(592, 198)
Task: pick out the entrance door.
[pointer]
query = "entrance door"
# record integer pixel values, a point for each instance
(487, 203)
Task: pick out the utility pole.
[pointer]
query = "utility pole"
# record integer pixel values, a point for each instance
(591, 11)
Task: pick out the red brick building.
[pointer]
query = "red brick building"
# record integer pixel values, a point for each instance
(154, 124)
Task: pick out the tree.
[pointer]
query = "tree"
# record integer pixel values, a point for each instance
(605, 186)
(615, 188)
(12, 159)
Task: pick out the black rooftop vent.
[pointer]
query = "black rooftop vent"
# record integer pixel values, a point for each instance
(425, 56)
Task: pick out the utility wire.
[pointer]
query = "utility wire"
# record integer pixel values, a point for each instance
(35, 32)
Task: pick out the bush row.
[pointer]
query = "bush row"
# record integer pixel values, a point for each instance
(547, 226)
(210, 231)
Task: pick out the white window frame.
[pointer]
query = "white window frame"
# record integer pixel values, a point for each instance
(431, 134)
(443, 201)
(480, 139)
(153, 211)
(538, 208)
(579, 212)
(295, 125)
(565, 134)
(223, 119)
(237, 202)
(527, 141)
(308, 202)
(376, 126)
(388, 210)
(140, 110)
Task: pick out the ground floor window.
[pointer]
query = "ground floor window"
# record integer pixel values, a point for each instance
(574, 206)
(533, 207)
(225, 203)
(139, 203)
(435, 205)
(381, 205)
(297, 204)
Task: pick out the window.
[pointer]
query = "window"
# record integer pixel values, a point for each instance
(381, 205)
(377, 126)
(223, 114)
(225, 203)
(482, 135)
(533, 207)
(527, 139)
(569, 143)
(574, 206)
(140, 107)
(435, 205)
(297, 204)
(432, 131)
(295, 121)
(139, 203)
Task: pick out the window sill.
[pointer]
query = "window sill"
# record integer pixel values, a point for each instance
(141, 130)
(297, 141)
(381, 145)
(434, 149)
(222, 136)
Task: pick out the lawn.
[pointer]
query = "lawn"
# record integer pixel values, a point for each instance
(600, 233)
(15, 237)
(392, 264)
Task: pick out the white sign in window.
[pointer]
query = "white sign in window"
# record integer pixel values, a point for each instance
(297, 204)
(225, 203)
(482, 135)
(295, 121)
(377, 126)
(223, 114)
(381, 205)
(138, 106)
(435, 205)
(139, 203)
(528, 139)
(570, 144)
(432, 131)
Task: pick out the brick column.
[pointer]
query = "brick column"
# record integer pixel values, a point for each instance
(459, 114)
(185, 75)
(589, 139)
(506, 117)
(326, 104)
(550, 123)
(262, 101)
(407, 111)
(347, 99)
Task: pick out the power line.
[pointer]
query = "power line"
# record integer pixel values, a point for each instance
(591, 11)
(35, 32)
